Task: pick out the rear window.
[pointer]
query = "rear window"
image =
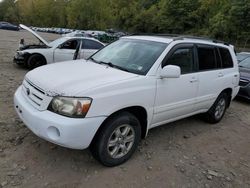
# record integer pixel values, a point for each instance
(226, 58)
(206, 57)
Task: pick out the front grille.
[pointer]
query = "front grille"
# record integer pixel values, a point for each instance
(36, 96)
(243, 82)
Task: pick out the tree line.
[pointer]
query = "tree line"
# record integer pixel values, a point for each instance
(221, 19)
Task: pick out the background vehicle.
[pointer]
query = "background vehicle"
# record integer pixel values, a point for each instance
(245, 78)
(8, 26)
(110, 101)
(62, 49)
(242, 55)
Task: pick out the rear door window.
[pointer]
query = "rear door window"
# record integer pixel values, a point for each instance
(226, 58)
(207, 58)
(90, 44)
(218, 58)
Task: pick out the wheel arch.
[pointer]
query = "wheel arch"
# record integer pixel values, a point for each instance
(34, 53)
(229, 92)
(138, 111)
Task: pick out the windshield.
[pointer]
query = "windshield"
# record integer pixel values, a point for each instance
(57, 42)
(245, 63)
(136, 56)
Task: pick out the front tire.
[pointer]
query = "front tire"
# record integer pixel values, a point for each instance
(217, 111)
(35, 60)
(117, 140)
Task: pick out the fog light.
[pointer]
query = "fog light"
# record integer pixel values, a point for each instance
(53, 133)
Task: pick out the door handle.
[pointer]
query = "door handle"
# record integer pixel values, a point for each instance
(193, 80)
(220, 74)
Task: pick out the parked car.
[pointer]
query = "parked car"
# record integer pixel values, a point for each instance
(245, 78)
(110, 101)
(75, 34)
(8, 26)
(62, 49)
(242, 55)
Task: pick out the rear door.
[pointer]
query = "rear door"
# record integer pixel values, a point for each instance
(89, 47)
(213, 78)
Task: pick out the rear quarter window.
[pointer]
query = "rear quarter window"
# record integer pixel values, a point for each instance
(226, 58)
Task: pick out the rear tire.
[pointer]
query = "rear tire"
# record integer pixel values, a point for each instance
(35, 60)
(217, 111)
(117, 140)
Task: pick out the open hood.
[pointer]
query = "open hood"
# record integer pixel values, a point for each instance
(35, 34)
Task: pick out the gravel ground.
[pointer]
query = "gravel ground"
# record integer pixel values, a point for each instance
(187, 153)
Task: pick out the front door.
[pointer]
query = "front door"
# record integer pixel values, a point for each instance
(66, 51)
(175, 97)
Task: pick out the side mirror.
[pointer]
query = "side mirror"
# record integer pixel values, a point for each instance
(170, 71)
(59, 46)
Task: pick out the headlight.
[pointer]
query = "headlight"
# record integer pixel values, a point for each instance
(71, 107)
(20, 53)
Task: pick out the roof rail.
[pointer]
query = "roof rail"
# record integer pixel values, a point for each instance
(200, 38)
(181, 37)
(157, 34)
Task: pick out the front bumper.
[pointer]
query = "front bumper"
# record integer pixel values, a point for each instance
(67, 132)
(18, 59)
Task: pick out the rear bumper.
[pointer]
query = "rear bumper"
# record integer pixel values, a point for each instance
(235, 92)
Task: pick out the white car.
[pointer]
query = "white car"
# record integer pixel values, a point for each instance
(110, 101)
(61, 49)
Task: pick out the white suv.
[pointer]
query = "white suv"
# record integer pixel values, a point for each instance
(110, 101)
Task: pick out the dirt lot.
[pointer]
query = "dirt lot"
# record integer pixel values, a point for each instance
(187, 153)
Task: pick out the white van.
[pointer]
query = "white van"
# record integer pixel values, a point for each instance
(110, 101)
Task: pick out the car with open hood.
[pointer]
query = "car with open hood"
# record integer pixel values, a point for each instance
(61, 49)
(110, 101)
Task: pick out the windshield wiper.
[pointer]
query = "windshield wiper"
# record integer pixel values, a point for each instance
(114, 66)
(109, 64)
(95, 61)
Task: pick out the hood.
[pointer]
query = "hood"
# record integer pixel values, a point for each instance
(244, 73)
(35, 34)
(72, 78)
